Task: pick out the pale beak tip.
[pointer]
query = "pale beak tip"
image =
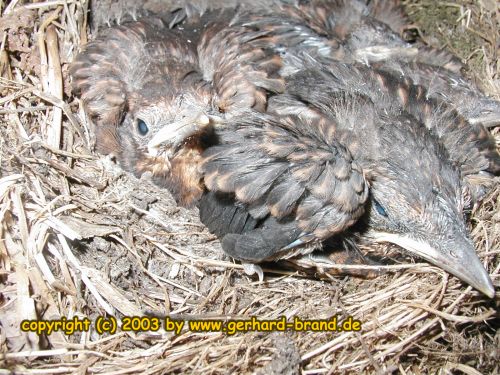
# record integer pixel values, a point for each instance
(203, 120)
(152, 151)
(490, 293)
(487, 288)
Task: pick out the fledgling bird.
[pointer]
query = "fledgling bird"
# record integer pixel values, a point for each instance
(376, 41)
(323, 158)
(395, 75)
(153, 92)
(299, 167)
(195, 68)
(324, 32)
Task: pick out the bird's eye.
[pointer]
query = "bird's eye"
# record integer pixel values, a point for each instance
(142, 128)
(381, 210)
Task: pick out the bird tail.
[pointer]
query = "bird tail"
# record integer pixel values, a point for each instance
(242, 236)
(222, 216)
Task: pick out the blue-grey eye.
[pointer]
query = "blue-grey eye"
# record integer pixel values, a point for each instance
(142, 128)
(381, 210)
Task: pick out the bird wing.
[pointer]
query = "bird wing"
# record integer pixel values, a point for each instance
(340, 17)
(294, 37)
(241, 66)
(290, 168)
(468, 143)
(98, 79)
(451, 108)
(444, 84)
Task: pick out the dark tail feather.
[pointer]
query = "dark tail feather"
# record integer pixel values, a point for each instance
(221, 216)
(261, 244)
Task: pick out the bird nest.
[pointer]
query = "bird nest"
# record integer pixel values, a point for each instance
(81, 239)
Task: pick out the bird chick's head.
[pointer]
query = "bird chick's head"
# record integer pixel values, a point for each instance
(163, 134)
(145, 96)
(416, 201)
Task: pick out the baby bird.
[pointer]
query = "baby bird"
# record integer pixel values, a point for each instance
(324, 32)
(325, 157)
(260, 215)
(153, 93)
(367, 129)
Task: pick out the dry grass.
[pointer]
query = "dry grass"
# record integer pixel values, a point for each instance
(81, 238)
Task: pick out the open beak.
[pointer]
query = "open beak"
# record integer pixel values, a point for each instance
(461, 260)
(175, 133)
